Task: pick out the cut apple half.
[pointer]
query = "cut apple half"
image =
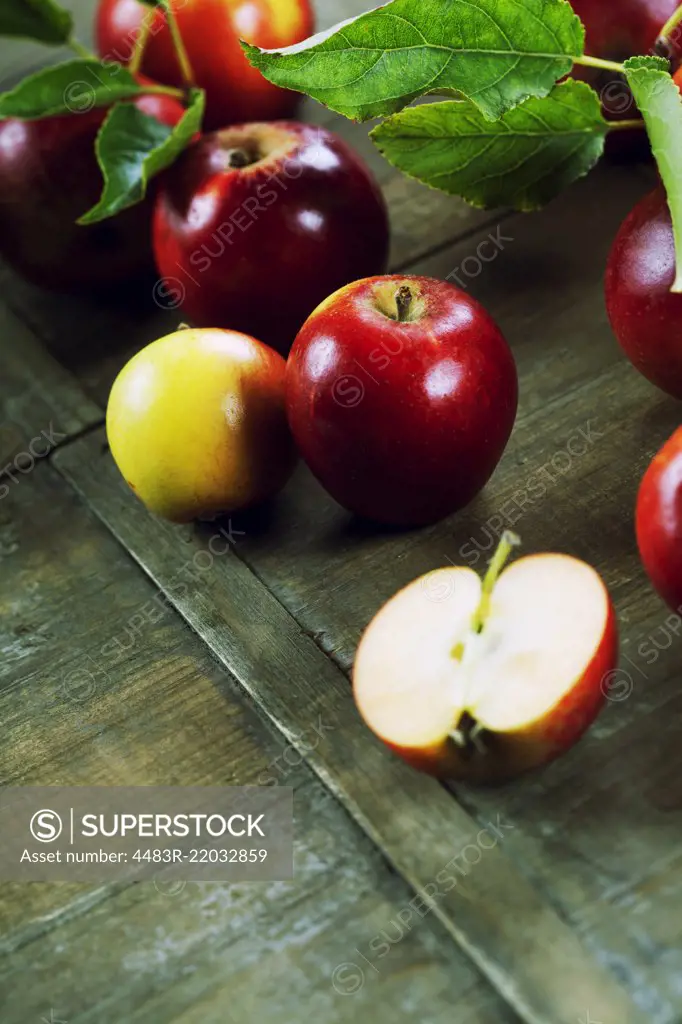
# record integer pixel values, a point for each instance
(484, 680)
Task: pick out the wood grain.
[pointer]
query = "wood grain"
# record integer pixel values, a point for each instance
(573, 913)
(544, 972)
(596, 824)
(102, 683)
(40, 403)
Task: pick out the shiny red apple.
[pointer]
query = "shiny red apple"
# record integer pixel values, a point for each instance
(616, 30)
(659, 521)
(49, 177)
(211, 30)
(401, 395)
(257, 224)
(489, 679)
(645, 315)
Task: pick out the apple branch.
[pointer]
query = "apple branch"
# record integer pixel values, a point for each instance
(135, 62)
(80, 50)
(597, 62)
(180, 48)
(626, 126)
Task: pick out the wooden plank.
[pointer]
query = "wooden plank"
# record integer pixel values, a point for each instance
(102, 683)
(333, 572)
(541, 967)
(40, 403)
(318, 564)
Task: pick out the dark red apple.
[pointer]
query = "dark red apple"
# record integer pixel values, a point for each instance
(659, 521)
(616, 31)
(211, 30)
(257, 224)
(49, 177)
(401, 395)
(645, 315)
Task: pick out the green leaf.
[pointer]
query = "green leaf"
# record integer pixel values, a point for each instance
(132, 148)
(42, 20)
(74, 87)
(523, 160)
(660, 104)
(496, 53)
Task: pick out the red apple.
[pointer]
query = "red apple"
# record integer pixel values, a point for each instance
(659, 521)
(257, 224)
(401, 395)
(616, 31)
(484, 682)
(49, 177)
(646, 317)
(211, 30)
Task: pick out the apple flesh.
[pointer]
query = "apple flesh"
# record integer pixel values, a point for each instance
(49, 177)
(401, 395)
(645, 315)
(261, 222)
(197, 426)
(485, 706)
(211, 30)
(658, 521)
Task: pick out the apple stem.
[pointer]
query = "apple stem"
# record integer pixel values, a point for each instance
(140, 43)
(663, 43)
(236, 158)
(403, 302)
(508, 541)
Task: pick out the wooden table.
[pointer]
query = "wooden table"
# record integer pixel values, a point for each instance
(133, 655)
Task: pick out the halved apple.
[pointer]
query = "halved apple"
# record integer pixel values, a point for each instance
(481, 681)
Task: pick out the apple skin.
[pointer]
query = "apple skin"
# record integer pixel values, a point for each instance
(658, 520)
(402, 423)
(197, 426)
(616, 31)
(256, 248)
(645, 316)
(626, 29)
(49, 177)
(211, 30)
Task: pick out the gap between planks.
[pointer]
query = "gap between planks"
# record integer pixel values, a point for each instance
(543, 971)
